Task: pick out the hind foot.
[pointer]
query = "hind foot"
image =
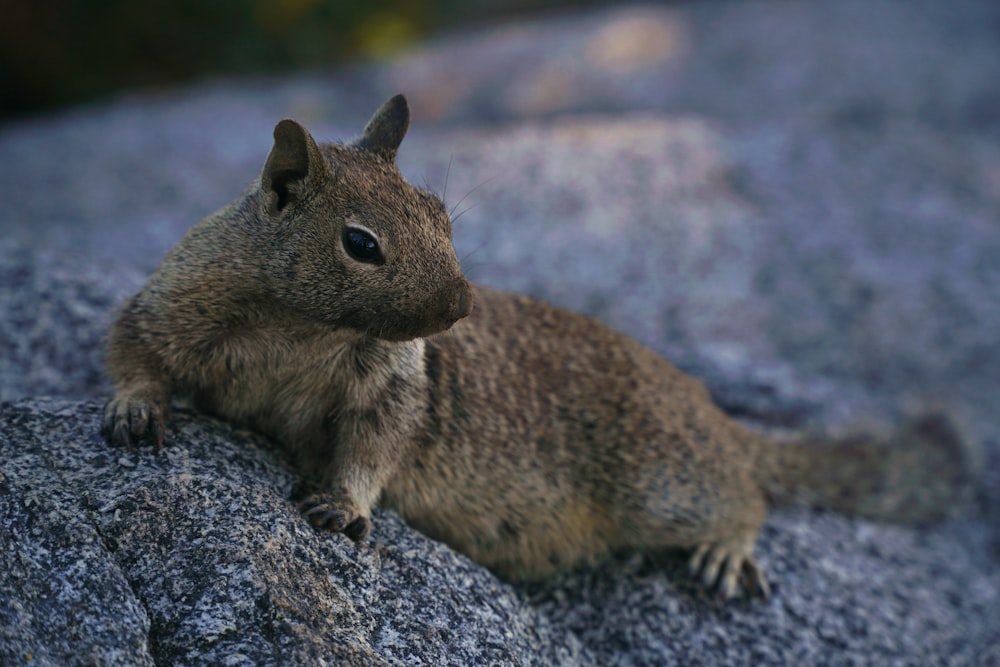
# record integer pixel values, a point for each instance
(727, 566)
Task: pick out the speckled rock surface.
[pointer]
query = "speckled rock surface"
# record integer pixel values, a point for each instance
(797, 201)
(195, 556)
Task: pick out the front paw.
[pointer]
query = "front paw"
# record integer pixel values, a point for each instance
(337, 513)
(130, 419)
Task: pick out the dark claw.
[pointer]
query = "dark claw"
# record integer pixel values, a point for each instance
(754, 581)
(107, 425)
(138, 418)
(158, 429)
(120, 436)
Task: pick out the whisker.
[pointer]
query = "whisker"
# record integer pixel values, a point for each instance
(472, 252)
(426, 180)
(459, 202)
(447, 174)
(455, 218)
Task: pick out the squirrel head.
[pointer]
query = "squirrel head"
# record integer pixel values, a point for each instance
(347, 241)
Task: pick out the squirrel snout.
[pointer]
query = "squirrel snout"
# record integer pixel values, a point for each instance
(463, 303)
(455, 302)
(447, 307)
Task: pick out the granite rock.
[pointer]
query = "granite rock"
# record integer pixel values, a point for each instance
(194, 556)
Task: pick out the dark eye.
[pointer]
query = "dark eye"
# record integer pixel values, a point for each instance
(362, 246)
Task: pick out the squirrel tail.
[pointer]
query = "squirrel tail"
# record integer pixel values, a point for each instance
(913, 477)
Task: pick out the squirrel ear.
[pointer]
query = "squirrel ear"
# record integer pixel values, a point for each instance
(386, 129)
(292, 159)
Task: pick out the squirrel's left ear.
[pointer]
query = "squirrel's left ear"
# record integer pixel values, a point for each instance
(386, 129)
(292, 161)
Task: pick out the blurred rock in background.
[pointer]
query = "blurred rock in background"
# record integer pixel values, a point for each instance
(62, 52)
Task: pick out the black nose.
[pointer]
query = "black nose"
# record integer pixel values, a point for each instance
(463, 305)
(455, 302)
(452, 304)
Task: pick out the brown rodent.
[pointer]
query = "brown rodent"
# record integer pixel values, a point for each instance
(326, 308)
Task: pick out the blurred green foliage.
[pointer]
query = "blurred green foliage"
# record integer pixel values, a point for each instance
(54, 52)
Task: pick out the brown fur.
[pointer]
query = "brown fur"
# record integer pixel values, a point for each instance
(523, 435)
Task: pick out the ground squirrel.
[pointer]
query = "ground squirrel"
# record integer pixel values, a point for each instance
(327, 309)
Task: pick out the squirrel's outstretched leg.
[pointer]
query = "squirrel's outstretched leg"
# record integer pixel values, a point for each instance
(718, 518)
(347, 473)
(346, 491)
(141, 406)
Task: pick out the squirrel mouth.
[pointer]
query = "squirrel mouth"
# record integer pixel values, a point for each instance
(403, 334)
(434, 320)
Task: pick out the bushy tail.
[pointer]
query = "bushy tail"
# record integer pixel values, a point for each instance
(915, 476)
